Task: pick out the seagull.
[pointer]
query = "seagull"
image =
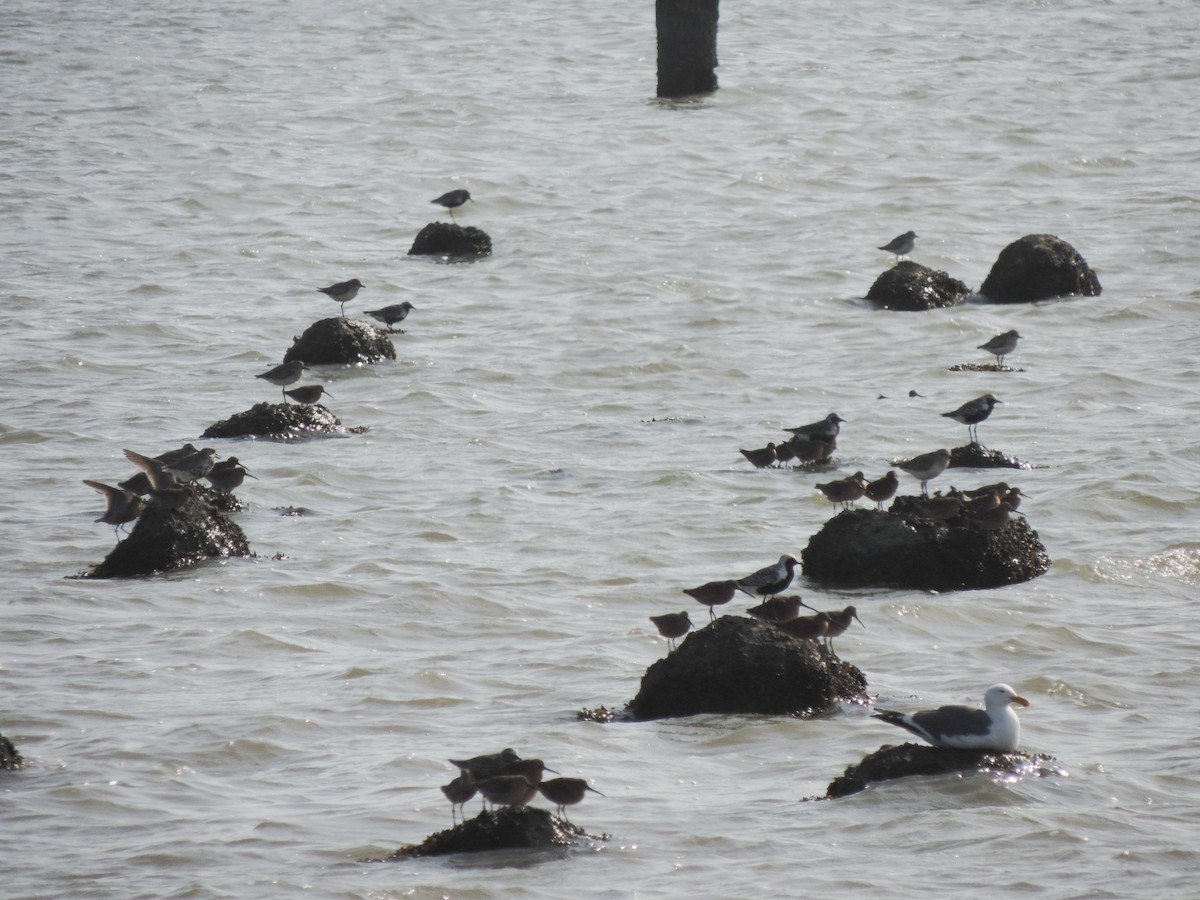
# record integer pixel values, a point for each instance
(926, 466)
(342, 292)
(671, 626)
(284, 374)
(902, 245)
(769, 581)
(714, 593)
(1001, 345)
(452, 200)
(390, 315)
(121, 506)
(995, 727)
(825, 430)
(972, 413)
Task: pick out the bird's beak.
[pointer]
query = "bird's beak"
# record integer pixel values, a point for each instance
(1020, 701)
(859, 621)
(593, 790)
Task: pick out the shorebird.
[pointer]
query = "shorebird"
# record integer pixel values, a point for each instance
(771, 580)
(486, 765)
(120, 506)
(308, 394)
(926, 467)
(1013, 498)
(228, 475)
(713, 593)
(972, 413)
(762, 458)
(811, 450)
(452, 200)
(825, 430)
(1001, 345)
(838, 623)
(845, 490)
(458, 792)
(284, 374)
(995, 727)
(883, 489)
(901, 245)
(342, 292)
(940, 509)
(983, 502)
(784, 453)
(390, 315)
(194, 467)
(1000, 486)
(778, 609)
(806, 628)
(507, 790)
(532, 769)
(993, 519)
(671, 626)
(564, 792)
(156, 471)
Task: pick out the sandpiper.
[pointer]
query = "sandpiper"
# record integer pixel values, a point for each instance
(228, 475)
(308, 394)
(458, 792)
(507, 790)
(284, 374)
(342, 292)
(883, 489)
(390, 315)
(784, 454)
(1013, 498)
(532, 769)
(901, 245)
(565, 792)
(762, 458)
(770, 580)
(940, 509)
(811, 450)
(1001, 486)
(121, 506)
(452, 200)
(845, 490)
(806, 628)
(713, 593)
(1001, 345)
(839, 622)
(926, 467)
(193, 467)
(778, 609)
(486, 764)
(972, 413)
(993, 519)
(983, 502)
(826, 429)
(155, 471)
(671, 626)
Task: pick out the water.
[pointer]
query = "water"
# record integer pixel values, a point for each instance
(553, 456)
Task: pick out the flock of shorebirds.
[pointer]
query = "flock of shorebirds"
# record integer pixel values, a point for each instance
(505, 779)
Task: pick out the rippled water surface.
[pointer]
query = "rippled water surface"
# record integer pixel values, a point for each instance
(553, 455)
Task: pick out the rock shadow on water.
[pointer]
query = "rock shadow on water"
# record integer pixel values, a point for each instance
(510, 828)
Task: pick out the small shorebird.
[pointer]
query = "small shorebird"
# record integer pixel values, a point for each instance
(883, 489)
(713, 593)
(452, 200)
(778, 609)
(507, 790)
(671, 626)
(308, 394)
(228, 475)
(762, 458)
(486, 765)
(995, 727)
(972, 413)
(940, 509)
(120, 506)
(806, 628)
(811, 450)
(342, 292)
(283, 375)
(1001, 345)
(826, 429)
(838, 623)
(770, 580)
(1000, 486)
(901, 245)
(926, 467)
(390, 315)
(458, 792)
(993, 519)
(1013, 498)
(160, 478)
(845, 490)
(564, 792)
(531, 769)
(784, 454)
(194, 467)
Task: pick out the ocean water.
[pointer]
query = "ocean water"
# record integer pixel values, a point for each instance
(553, 455)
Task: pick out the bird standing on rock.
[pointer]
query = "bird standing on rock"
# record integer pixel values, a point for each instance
(763, 458)
(284, 374)
(926, 467)
(564, 792)
(770, 580)
(672, 626)
(390, 315)
(1001, 345)
(972, 413)
(713, 593)
(308, 394)
(452, 200)
(883, 489)
(342, 292)
(902, 245)
(121, 506)
(826, 429)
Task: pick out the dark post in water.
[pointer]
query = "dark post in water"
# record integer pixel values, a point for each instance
(687, 47)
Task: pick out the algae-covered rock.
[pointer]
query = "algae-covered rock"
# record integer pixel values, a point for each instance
(279, 421)
(452, 240)
(911, 287)
(509, 828)
(1036, 267)
(338, 341)
(9, 757)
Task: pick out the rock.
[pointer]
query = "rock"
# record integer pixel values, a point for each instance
(902, 548)
(9, 757)
(977, 456)
(446, 239)
(168, 536)
(337, 341)
(506, 829)
(910, 287)
(280, 421)
(1038, 266)
(890, 762)
(742, 665)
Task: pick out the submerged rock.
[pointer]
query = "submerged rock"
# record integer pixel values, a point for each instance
(1038, 266)
(338, 341)
(510, 828)
(910, 287)
(448, 239)
(279, 421)
(172, 535)
(889, 762)
(742, 665)
(9, 757)
(904, 548)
